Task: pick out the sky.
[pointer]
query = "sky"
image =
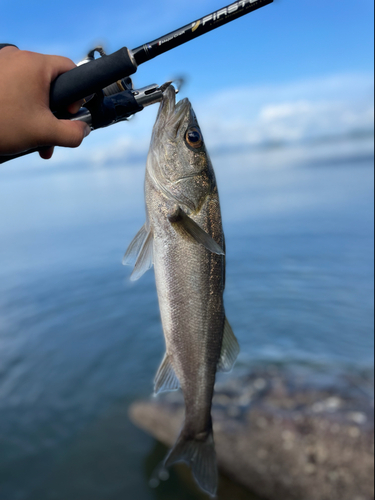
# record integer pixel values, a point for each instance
(294, 70)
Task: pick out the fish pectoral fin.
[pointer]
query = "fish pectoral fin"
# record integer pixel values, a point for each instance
(230, 349)
(166, 378)
(183, 221)
(141, 251)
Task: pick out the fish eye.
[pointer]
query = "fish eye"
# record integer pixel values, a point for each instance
(194, 138)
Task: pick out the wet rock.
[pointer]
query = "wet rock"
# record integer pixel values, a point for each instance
(282, 440)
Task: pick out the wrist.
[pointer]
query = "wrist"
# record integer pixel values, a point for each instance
(3, 45)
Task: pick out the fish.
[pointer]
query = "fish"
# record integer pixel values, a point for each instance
(183, 238)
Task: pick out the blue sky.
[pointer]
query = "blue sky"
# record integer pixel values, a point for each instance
(308, 60)
(287, 40)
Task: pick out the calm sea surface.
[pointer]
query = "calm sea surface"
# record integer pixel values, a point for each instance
(79, 342)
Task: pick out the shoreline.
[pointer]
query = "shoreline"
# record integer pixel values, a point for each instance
(280, 436)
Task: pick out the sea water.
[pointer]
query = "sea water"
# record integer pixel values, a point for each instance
(79, 342)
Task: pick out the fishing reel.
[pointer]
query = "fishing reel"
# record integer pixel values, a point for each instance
(118, 100)
(115, 103)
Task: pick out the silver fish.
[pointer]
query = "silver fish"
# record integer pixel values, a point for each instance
(183, 238)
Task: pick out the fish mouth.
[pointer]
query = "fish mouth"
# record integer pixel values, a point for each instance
(171, 114)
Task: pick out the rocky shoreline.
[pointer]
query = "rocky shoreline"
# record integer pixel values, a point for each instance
(281, 437)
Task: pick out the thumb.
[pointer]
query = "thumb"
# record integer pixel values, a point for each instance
(68, 133)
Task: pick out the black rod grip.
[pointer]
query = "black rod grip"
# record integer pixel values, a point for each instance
(88, 78)
(6, 158)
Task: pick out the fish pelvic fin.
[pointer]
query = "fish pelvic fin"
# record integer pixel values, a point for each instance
(166, 378)
(184, 222)
(141, 252)
(230, 349)
(199, 453)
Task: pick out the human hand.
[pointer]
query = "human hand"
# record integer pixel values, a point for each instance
(26, 120)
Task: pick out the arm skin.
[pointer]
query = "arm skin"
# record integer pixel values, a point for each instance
(26, 120)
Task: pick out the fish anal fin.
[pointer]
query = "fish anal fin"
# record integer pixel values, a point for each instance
(166, 378)
(183, 221)
(230, 349)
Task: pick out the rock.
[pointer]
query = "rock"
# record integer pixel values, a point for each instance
(281, 442)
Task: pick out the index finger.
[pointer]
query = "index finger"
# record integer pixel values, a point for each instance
(75, 107)
(59, 65)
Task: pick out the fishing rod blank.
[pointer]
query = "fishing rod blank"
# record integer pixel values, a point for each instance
(99, 73)
(198, 28)
(89, 78)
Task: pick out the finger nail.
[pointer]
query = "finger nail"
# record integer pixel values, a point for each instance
(86, 131)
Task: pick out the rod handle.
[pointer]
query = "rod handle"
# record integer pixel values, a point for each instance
(91, 77)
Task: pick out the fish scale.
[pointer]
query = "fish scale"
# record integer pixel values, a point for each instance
(183, 238)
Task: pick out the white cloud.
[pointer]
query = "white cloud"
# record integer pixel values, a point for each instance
(284, 110)
(303, 115)
(289, 112)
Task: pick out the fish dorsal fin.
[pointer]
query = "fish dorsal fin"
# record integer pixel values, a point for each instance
(166, 378)
(229, 350)
(183, 221)
(141, 251)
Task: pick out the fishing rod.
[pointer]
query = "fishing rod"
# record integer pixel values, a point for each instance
(104, 84)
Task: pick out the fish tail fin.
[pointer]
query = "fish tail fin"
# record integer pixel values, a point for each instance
(199, 453)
